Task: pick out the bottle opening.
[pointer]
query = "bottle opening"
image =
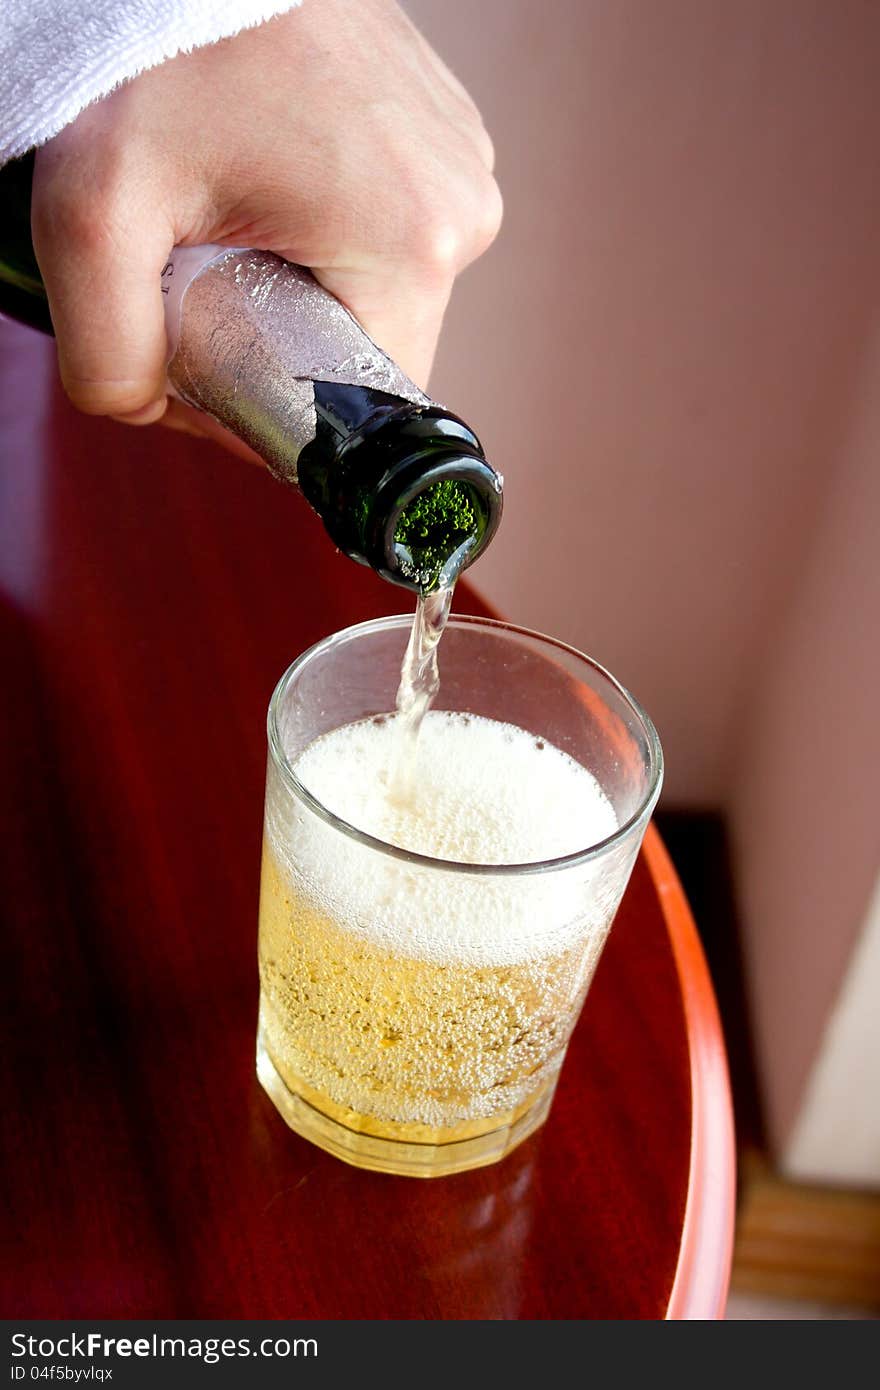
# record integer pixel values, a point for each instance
(441, 522)
(436, 531)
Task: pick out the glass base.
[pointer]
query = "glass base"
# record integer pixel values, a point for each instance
(434, 1158)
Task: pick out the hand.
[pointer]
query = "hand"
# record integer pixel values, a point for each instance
(332, 135)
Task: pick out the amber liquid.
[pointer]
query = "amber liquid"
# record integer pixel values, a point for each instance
(401, 1063)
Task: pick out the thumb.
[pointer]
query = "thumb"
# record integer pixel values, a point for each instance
(101, 264)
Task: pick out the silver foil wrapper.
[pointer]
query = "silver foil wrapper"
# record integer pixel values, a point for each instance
(255, 333)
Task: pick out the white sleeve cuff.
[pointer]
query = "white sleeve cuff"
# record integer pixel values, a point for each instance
(57, 56)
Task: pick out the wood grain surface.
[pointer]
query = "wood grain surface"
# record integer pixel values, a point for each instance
(153, 590)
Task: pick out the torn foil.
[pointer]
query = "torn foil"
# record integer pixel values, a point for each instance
(255, 333)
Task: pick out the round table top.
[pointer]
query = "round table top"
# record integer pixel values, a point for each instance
(153, 589)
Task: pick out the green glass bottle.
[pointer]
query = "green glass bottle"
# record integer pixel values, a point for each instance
(401, 484)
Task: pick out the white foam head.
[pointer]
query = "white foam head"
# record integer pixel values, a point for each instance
(486, 793)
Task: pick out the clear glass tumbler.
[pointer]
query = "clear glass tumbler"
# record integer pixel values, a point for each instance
(435, 1048)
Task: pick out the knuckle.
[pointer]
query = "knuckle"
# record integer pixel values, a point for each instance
(61, 216)
(437, 245)
(85, 208)
(449, 225)
(481, 141)
(489, 215)
(486, 148)
(432, 235)
(449, 231)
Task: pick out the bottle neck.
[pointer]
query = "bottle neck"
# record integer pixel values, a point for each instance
(404, 489)
(254, 334)
(267, 351)
(22, 293)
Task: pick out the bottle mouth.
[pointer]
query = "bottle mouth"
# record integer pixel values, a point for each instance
(409, 493)
(439, 521)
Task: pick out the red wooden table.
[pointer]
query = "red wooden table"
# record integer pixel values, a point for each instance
(153, 589)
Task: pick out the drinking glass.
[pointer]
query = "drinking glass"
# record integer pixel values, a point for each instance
(415, 1012)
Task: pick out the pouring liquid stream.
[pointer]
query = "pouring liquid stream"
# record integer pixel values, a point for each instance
(419, 684)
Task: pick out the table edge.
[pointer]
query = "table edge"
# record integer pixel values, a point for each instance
(702, 1275)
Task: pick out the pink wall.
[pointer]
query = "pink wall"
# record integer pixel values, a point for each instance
(805, 799)
(660, 349)
(665, 353)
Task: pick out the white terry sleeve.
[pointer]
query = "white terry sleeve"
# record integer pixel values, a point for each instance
(57, 56)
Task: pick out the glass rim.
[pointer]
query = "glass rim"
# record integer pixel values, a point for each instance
(404, 621)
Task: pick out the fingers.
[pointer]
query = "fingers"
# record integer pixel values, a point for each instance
(471, 121)
(401, 315)
(101, 253)
(400, 296)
